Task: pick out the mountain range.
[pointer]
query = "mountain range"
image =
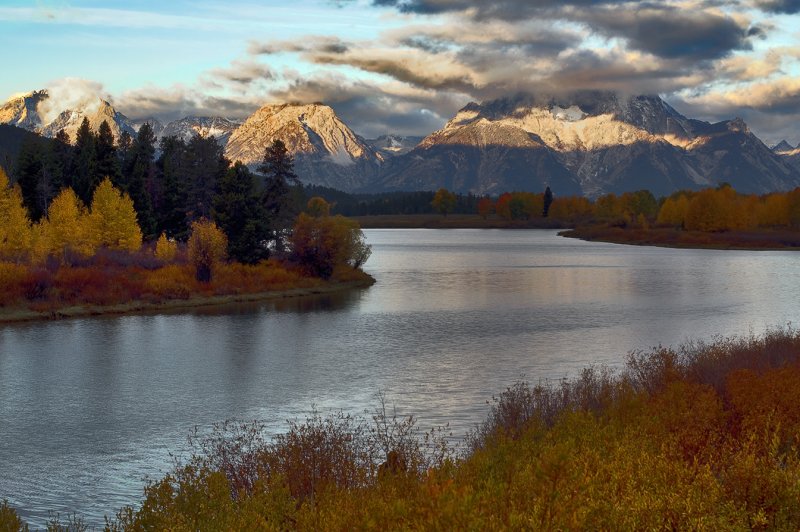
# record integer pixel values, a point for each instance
(587, 143)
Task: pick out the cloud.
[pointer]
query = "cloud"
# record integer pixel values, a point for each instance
(178, 101)
(670, 32)
(374, 109)
(71, 93)
(243, 72)
(779, 6)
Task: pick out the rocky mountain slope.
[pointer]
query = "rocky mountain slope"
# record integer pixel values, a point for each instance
(597, 141)
(326, 151)
(206, 126)
(790, 154)
(392, 145)
(586, 143)
(26, 111)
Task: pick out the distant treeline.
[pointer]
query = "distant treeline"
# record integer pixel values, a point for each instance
(417, 202)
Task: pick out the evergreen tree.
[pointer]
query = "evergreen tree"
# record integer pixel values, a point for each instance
(171, 211)
(205, 165)
(239, 213)
(60, 161)
(85, 178)
(140, 181)
(107, 163)
(548, 200)
(278, 170)
(29, 173)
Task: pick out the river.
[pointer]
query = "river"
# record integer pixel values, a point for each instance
(90, 407)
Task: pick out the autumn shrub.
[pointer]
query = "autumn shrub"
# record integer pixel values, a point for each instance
(319, 245)
(13, 279)
(171, 282)
(10, 521)
(166, 249)
(237, 278)
(206, 248)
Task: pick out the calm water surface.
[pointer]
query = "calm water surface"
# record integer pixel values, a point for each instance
(89, 407)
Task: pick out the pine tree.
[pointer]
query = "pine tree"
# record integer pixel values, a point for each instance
(63, 161)
(548, 200)
(29, 173)
(206, 166)
(171, 211)
(141, 177)
(278, 170)
(106, 152)
(85, 177)
(239, 213)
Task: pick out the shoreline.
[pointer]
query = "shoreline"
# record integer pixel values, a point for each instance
(676, 239)
(452, 221)
(22, 315)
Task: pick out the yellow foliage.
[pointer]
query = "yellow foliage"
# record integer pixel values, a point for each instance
(318, 207)
(673, 211)
(166, 249)
(67, 227)
(15, 226)
(207, 247)
(113, 219)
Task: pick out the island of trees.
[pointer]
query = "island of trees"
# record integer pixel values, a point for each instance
(105, 224)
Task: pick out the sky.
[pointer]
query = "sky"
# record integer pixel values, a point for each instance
(406, 66)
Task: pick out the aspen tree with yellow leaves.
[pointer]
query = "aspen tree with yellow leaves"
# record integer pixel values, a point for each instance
(113, 219)
(15, 226)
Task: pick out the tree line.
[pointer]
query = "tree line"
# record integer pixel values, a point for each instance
(709, 210)
(171, 184)
(72, 201)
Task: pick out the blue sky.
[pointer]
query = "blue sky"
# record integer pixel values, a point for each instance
(405, 66)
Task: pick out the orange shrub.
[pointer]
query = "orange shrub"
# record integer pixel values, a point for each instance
(13, 279)
(171, 282)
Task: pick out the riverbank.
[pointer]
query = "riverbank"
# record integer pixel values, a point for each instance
(703, 436)
(54, 311)
(453, 221)
(761, 240)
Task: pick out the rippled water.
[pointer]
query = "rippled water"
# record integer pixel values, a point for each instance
(89, 407)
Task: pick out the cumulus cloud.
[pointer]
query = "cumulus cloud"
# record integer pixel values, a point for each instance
(441, 54)
(178, 101)
(670, 32)
(72, 93)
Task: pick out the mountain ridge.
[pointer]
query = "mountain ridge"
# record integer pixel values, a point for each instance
(588, 142)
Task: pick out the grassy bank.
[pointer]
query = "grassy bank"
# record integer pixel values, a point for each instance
(453, 221)
(761, 239)
(703, 437)
(108, 289)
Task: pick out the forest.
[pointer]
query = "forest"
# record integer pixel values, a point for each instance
(107, 223)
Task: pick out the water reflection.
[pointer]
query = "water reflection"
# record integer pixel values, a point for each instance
(88, 407)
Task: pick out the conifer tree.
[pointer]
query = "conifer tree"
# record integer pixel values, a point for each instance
(239, 213)
(85, 177)
(29, 174)
(174, 185)
(548, 200)
(278, 170)
(141, 178)
(205, 165)
(106, 152)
